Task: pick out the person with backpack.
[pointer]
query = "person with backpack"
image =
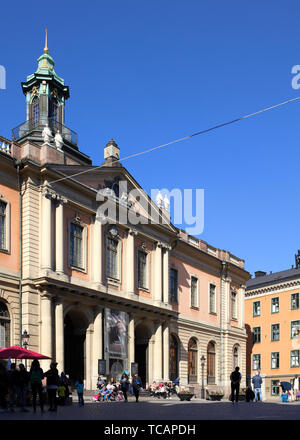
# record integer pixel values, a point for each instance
(136, 385)
(52, 385)
(36, 376)
(235, 378)
(124, 385)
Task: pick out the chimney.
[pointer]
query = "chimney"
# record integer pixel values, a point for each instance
(259, 273)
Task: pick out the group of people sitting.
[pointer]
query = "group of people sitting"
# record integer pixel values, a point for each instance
(108, 391)
(162, 389)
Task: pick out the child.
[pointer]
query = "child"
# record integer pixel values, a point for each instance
(79, 387)
(61, 391)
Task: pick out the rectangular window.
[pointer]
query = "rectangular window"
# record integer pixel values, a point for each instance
(275, 360)
(256, 362)
(295, 361)
(256, 308)
(212, 299)
(76, 259)
(275, 388)
(295, 329)
(275, 305)
(112, 258)
(233, 305)
(173, 285)
(295, 301)
(194, 292)
(142, 269)
(275, 332)
(256, 335)
(2, 225)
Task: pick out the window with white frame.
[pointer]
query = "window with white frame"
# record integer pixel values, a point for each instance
(295, 358)
(295, 301)
(194, 291)
(256, 308)
(142, 277)
(2, 225)
(275, 305)
(76, 246)
(112, 268)
(212, 298)
(256, 362)
(275, 360)
(295, 329)
(275, 388)
(233, 305)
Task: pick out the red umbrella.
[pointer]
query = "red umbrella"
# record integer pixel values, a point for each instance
(16, 352)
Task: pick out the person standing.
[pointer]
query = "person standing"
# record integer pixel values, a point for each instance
(296, 386)
(13, 381)
(136, 385)
(3, 388)
(80, 387)
(52, 385)
(257, 381)
(124, 385)
(22, 386)
(235, 378)
(36, 376)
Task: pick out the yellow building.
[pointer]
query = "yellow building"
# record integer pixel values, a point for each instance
(272, 317)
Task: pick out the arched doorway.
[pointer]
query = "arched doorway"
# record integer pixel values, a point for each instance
(4, 326)
(211, 363)
(173, 358)
(141, 345)
(192, 361)
(75, 325)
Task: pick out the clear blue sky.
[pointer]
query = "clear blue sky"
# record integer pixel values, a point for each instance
(147, 72)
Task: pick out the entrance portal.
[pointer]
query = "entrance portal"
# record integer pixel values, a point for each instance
(141, 349)
(75, 325)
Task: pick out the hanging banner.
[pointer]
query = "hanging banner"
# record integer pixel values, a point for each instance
(116, 323)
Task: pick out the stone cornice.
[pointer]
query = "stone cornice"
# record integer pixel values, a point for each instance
(279, 287)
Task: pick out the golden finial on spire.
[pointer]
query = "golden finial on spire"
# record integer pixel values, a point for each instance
(46, 50)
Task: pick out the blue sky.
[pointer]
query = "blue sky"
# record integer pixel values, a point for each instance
(146, 73)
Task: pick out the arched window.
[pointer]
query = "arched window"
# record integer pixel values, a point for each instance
(35, 110)
(4, 326)
(192, 360)
(211, 363)
(53, 113)
(173, 358)
(235, 357)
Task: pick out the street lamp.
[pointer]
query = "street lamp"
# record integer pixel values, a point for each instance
(202, 367)
(25, 340)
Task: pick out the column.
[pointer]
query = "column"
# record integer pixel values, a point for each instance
(97, 250)
(157, 359)
(46, 328)
(46, 230)
(130, 272)
(166, 352)
(157, 273)
(59, 235)
(166, 274)
(59, 334)
(241, 306)
(88, 359)
(97, 344)
(131, 354)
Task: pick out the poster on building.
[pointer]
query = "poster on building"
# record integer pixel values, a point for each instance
(116, 323)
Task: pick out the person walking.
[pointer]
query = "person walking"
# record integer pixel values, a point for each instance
(136, 385)
(235, 378)
(296, 386)
(52, 385)
(13, 380)
(3, 388)
(36, 376)
(80, 387)
(22, 386)
(257, 381)
(124, 385)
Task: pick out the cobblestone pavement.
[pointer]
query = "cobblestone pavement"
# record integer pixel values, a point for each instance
(173, 409)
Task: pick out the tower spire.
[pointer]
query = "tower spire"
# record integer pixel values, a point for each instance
(46, 50)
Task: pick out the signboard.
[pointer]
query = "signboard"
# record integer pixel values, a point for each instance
(116, 326)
